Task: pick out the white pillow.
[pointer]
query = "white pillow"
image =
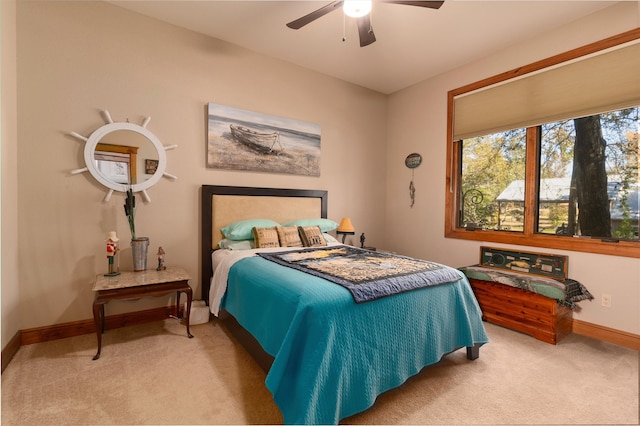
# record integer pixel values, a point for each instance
(330, 238)
(236, 245)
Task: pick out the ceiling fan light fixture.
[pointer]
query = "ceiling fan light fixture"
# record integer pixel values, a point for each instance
(356, 8)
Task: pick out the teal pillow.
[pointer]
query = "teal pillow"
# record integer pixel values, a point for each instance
(326, 225)
(242, 230)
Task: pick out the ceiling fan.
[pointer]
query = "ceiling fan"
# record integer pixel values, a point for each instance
(359, 9)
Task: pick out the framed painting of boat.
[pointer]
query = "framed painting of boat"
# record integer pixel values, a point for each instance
(238, 139)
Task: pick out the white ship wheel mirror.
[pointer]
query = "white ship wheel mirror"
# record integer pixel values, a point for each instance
(124, 155)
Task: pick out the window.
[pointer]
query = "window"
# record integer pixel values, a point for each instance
(588, 176)
(567, 177)
(492, 182)
(595, 195)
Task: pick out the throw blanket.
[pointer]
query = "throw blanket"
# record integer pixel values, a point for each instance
(567, 292)
(368, 275)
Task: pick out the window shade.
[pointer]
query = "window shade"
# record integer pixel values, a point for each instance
(602, 82)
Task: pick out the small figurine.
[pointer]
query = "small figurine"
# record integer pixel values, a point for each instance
(112, 250)
(161, 266)
(362, 240)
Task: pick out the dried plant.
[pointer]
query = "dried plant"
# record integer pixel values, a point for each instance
(130, 211)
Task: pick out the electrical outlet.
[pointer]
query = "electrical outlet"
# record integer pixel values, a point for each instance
(606, 300)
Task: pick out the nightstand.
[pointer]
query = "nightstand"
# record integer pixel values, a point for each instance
(135, 285)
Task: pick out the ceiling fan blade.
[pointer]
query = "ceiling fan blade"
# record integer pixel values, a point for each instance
(429, 4)
(365, 31)
(319, 13)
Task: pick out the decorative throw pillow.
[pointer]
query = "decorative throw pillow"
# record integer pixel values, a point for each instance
(289, 236)
(243, 230)
(265, 237)
(311, 236)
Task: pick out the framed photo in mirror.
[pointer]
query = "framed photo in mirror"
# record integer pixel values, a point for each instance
(150, 166)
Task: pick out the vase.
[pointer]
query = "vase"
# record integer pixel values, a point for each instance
(139, 248)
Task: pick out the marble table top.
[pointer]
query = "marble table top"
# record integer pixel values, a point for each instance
(134, 279)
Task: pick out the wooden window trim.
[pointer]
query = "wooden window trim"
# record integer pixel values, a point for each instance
(529, 237)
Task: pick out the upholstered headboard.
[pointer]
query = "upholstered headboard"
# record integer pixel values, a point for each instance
(222, 205)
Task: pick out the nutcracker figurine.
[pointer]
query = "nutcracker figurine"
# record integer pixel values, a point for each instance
(112, 250)
(161, 266)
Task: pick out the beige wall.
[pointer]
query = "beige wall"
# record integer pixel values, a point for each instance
(75, 58)
(9, 156)
(419, 231)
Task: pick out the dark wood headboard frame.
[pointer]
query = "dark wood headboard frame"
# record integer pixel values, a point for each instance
(207, 210)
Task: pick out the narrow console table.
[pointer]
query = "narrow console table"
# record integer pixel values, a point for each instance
(135, 285)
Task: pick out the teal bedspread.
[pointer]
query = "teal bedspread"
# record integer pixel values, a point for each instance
(333, 357)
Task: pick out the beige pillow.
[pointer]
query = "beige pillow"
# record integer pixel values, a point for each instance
(289, 236)
(265, 237)
(311, 236)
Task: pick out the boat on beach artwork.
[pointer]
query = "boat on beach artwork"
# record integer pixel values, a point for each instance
(265, 142)
(244, 140)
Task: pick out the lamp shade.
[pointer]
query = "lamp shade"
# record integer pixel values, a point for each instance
(345, 226)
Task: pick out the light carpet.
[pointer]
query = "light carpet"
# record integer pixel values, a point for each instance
(153, 374)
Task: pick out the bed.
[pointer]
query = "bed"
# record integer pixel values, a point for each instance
(326, 356)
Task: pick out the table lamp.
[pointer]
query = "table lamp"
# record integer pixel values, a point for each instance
(345, 228)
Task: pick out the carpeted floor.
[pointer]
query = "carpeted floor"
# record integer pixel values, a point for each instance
(154, 374)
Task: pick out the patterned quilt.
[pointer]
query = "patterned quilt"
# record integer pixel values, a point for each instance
(368, 275)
